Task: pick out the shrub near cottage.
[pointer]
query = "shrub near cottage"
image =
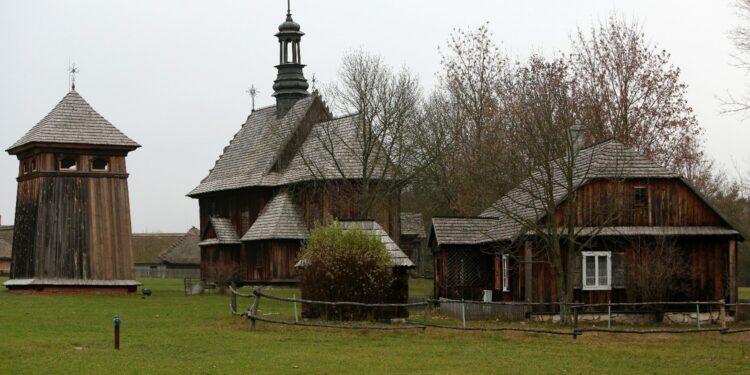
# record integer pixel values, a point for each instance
(343, 265)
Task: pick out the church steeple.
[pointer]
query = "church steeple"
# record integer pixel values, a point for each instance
(290, 84)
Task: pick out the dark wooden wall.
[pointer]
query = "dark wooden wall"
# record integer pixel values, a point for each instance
(670, 203)
(241, 206)
(73, 225)
(269, 260)
(318, 200)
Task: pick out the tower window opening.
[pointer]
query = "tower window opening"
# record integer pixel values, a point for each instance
(286, 52)
(67, 164)
(100, 165)
(33, 165)
(25, 167)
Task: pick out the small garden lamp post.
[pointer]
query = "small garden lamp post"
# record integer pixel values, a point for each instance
(116, 322)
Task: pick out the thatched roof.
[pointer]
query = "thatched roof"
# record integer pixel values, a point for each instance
(184, 251)
(148, 246)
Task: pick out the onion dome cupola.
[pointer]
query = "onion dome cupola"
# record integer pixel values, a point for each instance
(290, 84)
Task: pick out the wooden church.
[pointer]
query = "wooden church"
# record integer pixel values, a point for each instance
(276, 179)
(72, 229)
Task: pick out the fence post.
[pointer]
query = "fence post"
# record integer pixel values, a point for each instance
(294, 296)
(463, 312)
(575, 322)
(698, 313)
(609, 314)
(722, 314)
(424, 315)
(254, 308)
(234, 298)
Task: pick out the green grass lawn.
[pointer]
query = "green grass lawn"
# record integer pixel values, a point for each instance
(172, 333)
(745, 293)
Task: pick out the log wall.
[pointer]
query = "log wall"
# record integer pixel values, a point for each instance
(72, 224)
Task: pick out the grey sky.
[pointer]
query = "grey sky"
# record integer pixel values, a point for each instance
(172, 75)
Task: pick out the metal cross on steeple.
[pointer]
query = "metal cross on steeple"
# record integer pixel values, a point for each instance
(72, 70)
(288, 7)
(252, 91)
(313, 80)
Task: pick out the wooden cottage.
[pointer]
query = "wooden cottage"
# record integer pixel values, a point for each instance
(278, 177)
(146, 250)
(72, 225)
(183, 257)
(625, 204)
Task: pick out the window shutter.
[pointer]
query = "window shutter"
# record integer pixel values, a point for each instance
(498, 273)
(618, 270)
(577, 265)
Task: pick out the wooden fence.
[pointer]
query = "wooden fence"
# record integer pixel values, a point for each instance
(510, 309)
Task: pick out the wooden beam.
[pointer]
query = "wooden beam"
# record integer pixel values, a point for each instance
(732, 271)
(528, 271)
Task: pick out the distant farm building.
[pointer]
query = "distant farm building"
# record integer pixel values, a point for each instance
(414, 242)
(278, 177)
(72, 223)
(167, 255)
(647, 206)
(6, 249)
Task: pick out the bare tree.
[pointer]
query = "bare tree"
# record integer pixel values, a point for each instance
(664, 271)
(740, 36)
(542, 209)
(628, 89)
(371, 150)
(464, 114)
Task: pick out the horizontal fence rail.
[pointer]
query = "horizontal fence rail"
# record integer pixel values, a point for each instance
(574, 310)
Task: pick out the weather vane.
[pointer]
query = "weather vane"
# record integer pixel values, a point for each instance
(72, 70)
(252, 91)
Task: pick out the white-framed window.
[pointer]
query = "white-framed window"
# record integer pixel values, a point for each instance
(596, 270)
(506, 273)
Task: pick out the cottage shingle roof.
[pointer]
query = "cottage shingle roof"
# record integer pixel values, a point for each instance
(185, 250)
(371, 227)
(610, 159)
(280, 219)
(225, 232)
(412, 224)
(73, 121)
(656, 231)
(465, 230)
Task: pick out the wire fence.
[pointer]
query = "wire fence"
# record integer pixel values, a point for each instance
(709, 316)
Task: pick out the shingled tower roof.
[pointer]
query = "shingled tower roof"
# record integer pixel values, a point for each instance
(73, 121)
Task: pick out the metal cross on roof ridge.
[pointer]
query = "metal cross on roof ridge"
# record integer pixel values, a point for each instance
(72, 71)
(252, 91)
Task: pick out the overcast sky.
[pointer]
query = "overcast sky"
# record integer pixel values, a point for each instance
(172, 75)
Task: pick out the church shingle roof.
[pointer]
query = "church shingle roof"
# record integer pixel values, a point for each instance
(73, 121)
(331, 150)
(225, 232)
(280, 219)
(371, 227)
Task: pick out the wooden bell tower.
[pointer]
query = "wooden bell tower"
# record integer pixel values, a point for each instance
(72, 229)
